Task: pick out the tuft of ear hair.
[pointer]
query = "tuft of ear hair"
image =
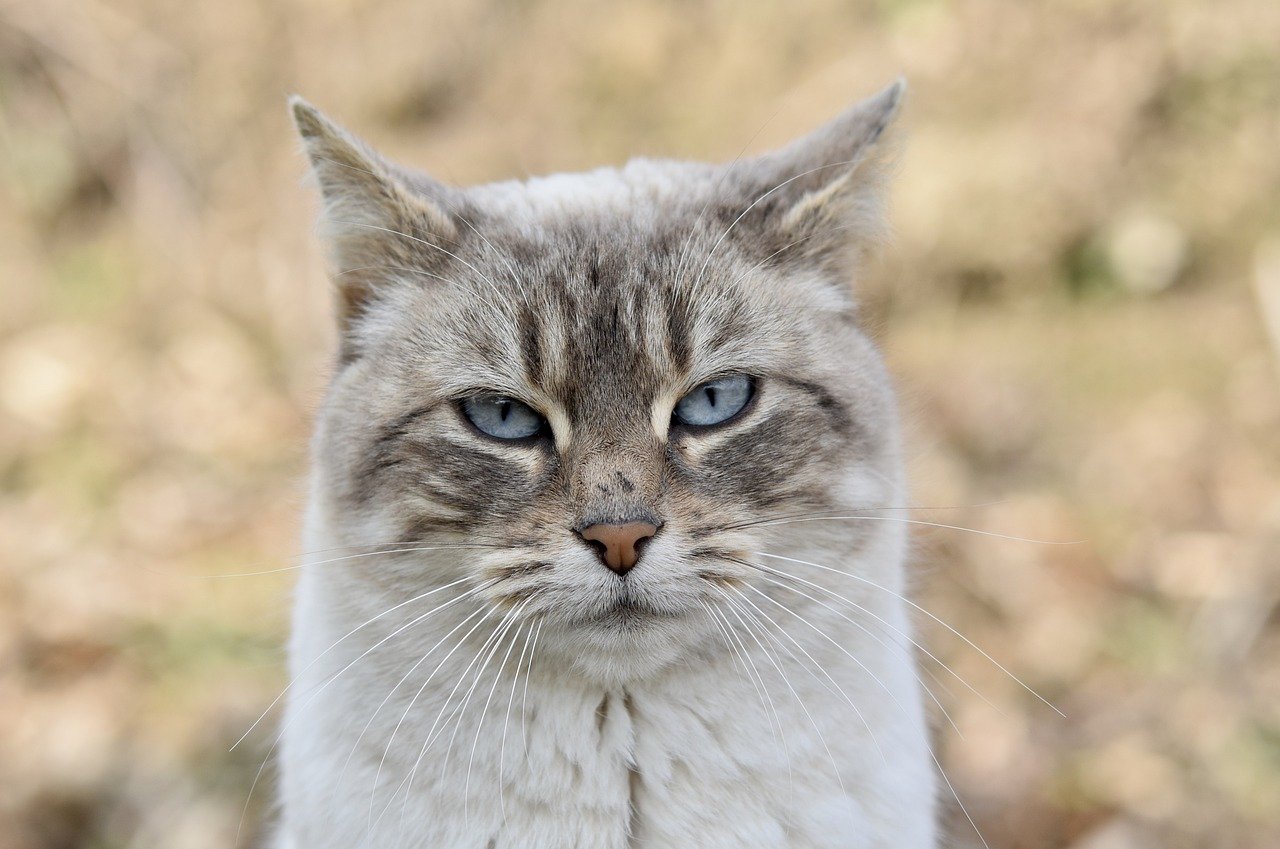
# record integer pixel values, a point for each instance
(378, 220)
(820, 199)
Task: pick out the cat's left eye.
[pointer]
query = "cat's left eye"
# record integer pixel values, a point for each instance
(502, 417)
(715, 402)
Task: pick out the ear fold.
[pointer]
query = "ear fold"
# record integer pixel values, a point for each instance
(819, 199)
(378, 220)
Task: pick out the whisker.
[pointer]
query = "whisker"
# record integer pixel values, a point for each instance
(524, 699)
(817, 665)
(932, 756)
(771, 522)
(313, 695)
(715, 192)
(490, 645)
(908, 601)
(466, 786)
(412, 669)
(859, 511)
(954, 795)
(320, 656)
(734, 608)
(506, 720)
(861, 608)
(762, 690)
(755, 203)
(457, 726)
(856, 624)
(515, 277)
(330, 560)
(476, 541)
(403, 268)
(788, 246)
(489, 611)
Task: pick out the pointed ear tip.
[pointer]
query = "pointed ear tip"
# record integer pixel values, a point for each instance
(308, 119)
(893, 94)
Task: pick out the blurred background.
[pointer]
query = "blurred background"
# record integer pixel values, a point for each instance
(1081, 305)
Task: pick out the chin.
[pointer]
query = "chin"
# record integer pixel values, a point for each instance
(628, 642)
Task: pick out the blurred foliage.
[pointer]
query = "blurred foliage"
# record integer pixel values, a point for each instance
(1082, 305)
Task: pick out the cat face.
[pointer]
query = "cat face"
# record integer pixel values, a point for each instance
(602, 383)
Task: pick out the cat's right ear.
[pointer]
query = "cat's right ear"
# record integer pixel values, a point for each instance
(379, 222)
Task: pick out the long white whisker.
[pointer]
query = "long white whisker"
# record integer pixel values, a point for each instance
(478, 612)
(314, 694)
(457, 726)
(524, 698)
(466, 785)
(489, 611)
(733, 608)
(928, 747)
(856, 624)
(318, 657)
(788, 246)
(890, 626)
(506, 720)
(346, 558)
(921, 522)
(403, 268)
(715, 192)
(755, 203)
(515, 277)
(817, 665)
(490, 645)
(908, 601)
(762, 690)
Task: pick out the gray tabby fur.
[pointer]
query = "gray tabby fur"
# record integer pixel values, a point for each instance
(600, 299)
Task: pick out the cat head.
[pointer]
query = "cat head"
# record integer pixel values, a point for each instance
(607, 385)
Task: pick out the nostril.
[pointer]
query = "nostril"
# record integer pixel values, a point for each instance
(642, 543)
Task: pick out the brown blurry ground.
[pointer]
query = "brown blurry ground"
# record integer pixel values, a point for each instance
(1082, 306)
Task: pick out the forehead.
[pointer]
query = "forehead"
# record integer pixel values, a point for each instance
(600, 287)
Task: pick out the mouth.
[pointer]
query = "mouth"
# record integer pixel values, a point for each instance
(627, 610)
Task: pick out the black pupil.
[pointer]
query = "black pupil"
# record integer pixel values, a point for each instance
(711, 395)
(504, 409)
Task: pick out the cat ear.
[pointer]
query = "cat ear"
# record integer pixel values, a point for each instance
(819, 200)
(378, 219)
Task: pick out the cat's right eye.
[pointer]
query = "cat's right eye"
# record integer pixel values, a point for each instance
(502, 417)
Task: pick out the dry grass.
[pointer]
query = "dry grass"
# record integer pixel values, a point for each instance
(1082, 306)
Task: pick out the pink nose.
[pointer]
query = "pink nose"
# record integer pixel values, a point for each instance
(619, 546)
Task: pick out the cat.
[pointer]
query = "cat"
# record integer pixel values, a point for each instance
(586, 564)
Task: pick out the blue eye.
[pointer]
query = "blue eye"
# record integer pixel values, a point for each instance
(502, 417)
(715, 401)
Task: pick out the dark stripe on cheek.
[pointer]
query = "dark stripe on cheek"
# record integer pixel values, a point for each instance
(472, 484)
(382, 452)
(782, 455)
(481, 485)
(837, 413)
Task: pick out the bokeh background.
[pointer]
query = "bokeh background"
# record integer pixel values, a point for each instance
(1082, 307)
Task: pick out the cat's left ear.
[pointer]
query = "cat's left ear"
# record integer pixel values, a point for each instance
(819, 200)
